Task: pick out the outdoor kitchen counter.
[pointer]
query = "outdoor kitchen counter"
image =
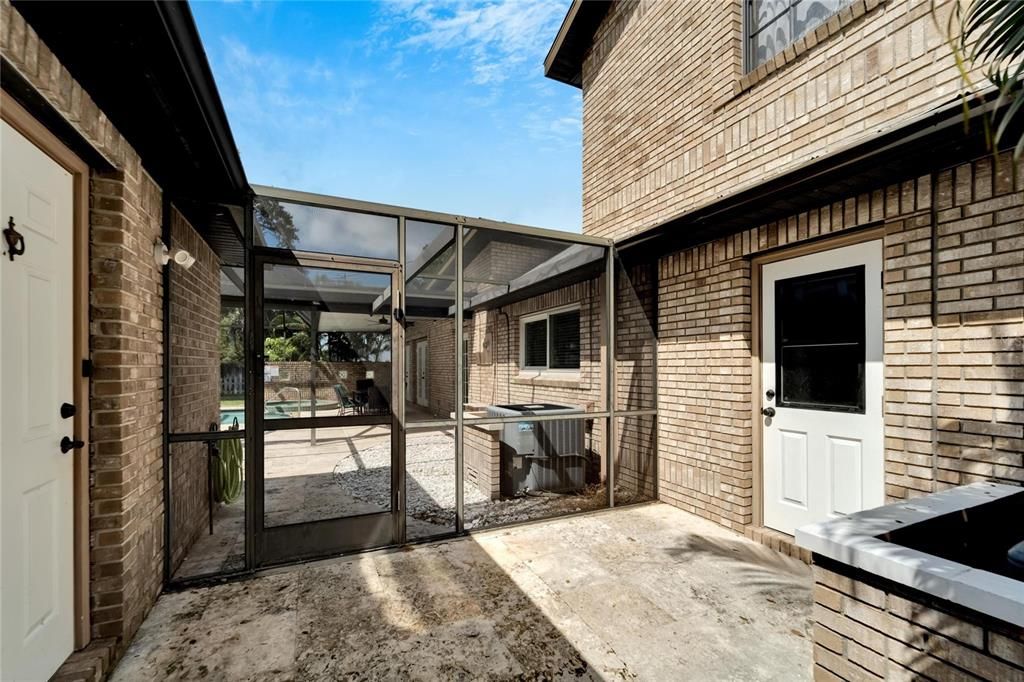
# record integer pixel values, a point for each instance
(855, 541)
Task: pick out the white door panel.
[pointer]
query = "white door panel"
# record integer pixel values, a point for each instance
(421, 373)
(36, 478)
(822, 360)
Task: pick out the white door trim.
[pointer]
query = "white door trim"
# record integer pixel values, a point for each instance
(859, 248)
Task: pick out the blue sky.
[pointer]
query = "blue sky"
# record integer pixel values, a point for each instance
(435, 105)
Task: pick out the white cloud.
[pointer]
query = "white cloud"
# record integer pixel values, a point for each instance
(500, 38)
(279, 90)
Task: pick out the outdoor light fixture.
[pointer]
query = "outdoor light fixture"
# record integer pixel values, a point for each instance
(162, 255)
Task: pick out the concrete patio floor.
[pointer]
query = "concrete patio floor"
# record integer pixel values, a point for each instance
(647, 592)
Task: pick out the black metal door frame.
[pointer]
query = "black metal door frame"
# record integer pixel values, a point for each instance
(327, 537)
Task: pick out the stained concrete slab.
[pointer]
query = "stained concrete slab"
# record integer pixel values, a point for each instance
(646, 592)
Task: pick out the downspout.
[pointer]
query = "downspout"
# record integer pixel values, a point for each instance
(508, 356)
(165, 235)
(934, 239)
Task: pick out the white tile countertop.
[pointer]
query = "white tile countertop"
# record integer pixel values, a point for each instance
(853, 540)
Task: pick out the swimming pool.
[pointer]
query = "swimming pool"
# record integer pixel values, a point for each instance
(277, 409)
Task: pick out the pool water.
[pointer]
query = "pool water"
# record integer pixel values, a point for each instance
(278, 409)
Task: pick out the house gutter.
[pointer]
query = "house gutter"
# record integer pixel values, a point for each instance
(188, 47)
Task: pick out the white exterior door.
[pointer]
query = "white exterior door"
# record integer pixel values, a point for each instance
(36, 478)
(822, 385)
(421, 373)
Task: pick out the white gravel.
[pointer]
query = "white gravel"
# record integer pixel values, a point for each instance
(430, 477)
(430, 462)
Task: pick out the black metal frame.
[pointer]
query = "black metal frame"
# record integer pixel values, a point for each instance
(286, 543)
(294, 543)
(751, 30)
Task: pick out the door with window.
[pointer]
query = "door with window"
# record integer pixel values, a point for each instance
(327, 474)
(36, 438)
(822, 385)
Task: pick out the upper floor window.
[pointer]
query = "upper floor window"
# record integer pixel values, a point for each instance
(551, 340)
(772, 25)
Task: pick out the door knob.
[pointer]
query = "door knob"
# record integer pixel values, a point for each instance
(768, 412)
(66, 444)
(67, 410)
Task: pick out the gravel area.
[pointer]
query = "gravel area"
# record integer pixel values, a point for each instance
(430, 462)
(430, 477)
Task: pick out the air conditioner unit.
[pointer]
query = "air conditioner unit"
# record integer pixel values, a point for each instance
(541, 456)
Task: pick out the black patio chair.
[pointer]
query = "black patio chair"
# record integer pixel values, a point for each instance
(347, 401)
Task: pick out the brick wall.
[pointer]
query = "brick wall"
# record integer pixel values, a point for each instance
(671, 122)
(194, 381)
(866, 629)
(126, 524)
(495, 377)
(439, 335)
(954, 410)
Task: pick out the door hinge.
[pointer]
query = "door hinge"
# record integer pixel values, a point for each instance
(87, 368)
(881, 280)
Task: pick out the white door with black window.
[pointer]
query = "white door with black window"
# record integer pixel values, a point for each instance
(822, 385)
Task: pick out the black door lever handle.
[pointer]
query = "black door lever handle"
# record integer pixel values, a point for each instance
(768, 412)
(66, 444)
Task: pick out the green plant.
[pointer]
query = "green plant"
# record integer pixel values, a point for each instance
(989, 35)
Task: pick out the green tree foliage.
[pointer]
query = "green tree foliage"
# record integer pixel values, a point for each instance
(232, 337)
(287, 337)
(273, 218)
(355, 346)
(989, 34)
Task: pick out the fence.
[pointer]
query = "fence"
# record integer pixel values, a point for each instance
(232, 380)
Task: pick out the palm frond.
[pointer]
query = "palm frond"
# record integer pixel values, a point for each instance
(991, 38)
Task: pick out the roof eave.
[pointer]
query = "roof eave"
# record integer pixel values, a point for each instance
(564, 61)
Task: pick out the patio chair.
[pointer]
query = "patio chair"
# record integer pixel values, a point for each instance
(347, 401)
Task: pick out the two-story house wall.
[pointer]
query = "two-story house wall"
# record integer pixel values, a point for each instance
(840, 265)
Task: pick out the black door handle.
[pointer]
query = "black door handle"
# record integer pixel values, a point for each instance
(67, 410)
(15, 240)
(66, 444)
(768, 412)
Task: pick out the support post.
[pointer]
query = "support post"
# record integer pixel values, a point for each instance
(460, 399)
(609, 311)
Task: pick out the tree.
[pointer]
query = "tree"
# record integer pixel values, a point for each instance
(989, 34)
(232, 337)
(273, 218)
(355, 346)
(287, 336)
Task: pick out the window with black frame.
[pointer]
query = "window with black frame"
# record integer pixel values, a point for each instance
(552, 340)
(820, 341)
(773, 25)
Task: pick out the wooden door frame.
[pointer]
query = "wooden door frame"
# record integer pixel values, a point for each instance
(865, 234)
(21, 120)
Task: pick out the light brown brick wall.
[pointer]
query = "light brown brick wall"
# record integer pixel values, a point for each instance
(439, 336)
(874, 631)
(195, 381)
(494, 376)
(127, 408)
(954, 410)
(668, 125)
(126, 497)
